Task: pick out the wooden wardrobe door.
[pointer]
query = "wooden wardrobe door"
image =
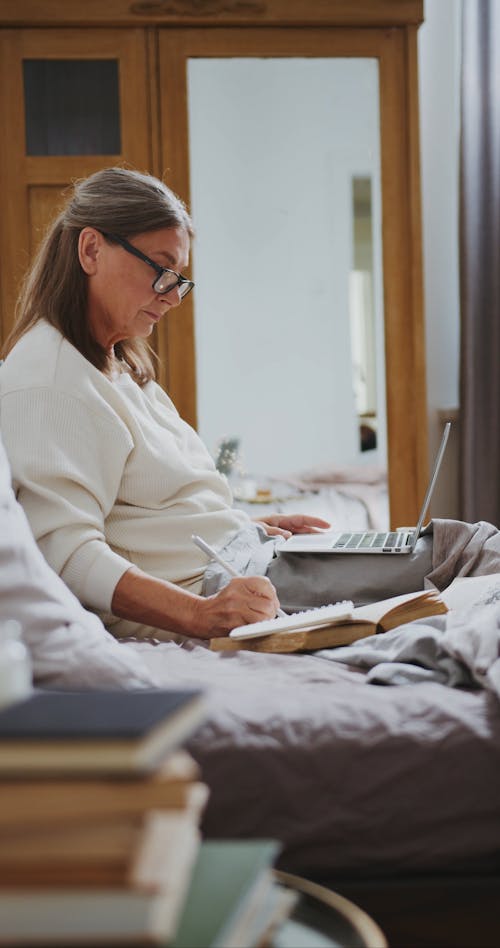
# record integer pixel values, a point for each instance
(71, 102)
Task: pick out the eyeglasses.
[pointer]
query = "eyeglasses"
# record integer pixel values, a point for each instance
(166, 280)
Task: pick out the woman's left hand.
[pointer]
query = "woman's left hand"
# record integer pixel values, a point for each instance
(283, 525)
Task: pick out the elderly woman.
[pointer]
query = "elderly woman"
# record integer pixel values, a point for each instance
(113, 482)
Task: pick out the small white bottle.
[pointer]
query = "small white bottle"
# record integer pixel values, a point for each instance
(15, 664)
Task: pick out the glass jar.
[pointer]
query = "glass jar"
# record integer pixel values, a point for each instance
(15, 664)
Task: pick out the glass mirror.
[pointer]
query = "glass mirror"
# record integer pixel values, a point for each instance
(286, 199)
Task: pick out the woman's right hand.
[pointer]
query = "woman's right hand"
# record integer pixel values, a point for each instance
(245, 599)
(161, 605)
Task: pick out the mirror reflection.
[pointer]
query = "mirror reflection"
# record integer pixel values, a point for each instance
(285, 195)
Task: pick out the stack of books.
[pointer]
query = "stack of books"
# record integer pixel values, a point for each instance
(99, 816)
(99, 830)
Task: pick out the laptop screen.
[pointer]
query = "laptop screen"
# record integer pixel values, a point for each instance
(430, 489)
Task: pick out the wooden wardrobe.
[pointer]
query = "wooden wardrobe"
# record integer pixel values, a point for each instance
(86, 84)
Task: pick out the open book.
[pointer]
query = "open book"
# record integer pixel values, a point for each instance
(305, 633)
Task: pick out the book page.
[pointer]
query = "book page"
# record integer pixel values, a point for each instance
(310, 618)
(467, 591)
(376, 610)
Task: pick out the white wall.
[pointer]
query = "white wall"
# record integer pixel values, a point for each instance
(439, 70)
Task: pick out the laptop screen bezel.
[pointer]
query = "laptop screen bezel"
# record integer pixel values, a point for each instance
(432, 482)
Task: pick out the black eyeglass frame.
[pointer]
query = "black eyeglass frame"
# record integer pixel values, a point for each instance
(180, 281)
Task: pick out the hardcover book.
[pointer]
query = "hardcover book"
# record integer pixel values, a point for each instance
(96, 731)
(67, 799)
(120, 852)
(146, 912)
(227, 903)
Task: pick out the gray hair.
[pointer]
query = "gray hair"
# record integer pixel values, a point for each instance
(115, 200)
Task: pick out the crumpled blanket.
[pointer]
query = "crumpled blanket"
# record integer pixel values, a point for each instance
(462, 549)
(460, 649)
(456, 650)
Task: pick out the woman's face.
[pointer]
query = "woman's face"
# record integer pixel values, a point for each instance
(121, 301)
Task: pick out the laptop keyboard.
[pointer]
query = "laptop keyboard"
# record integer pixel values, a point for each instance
(364, 541)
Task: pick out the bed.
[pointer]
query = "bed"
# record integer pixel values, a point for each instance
(390, 795)
(352, 498)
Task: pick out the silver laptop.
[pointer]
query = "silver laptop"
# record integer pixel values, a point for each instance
(371, 541)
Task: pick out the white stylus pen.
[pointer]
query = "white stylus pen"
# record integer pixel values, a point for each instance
(213, 555)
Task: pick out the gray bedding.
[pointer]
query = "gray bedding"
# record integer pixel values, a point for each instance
(355, 779)
(358, 778)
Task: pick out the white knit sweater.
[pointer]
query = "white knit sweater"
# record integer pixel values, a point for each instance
(107, 472)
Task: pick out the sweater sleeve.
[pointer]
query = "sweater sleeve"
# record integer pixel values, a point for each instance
(67, 460)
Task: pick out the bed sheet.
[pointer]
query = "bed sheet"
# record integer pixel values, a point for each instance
(350, 498)
(356, 780)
